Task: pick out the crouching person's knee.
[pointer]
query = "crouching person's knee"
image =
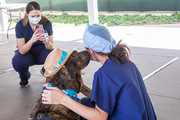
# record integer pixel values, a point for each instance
(22, 62)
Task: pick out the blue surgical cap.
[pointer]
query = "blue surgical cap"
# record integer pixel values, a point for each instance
(98, 38)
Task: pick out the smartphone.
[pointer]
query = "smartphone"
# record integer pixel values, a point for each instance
(39, 28)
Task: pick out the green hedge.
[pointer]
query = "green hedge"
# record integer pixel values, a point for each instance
(112, 20)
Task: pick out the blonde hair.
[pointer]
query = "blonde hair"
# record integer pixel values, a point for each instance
(33, 6)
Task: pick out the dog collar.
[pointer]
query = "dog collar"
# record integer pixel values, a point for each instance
(72, 93)
(45, 85)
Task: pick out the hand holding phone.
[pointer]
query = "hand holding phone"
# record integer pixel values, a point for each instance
(40, 32)
(40, 28)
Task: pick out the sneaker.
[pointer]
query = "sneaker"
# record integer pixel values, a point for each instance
(42, 70)
(24, 83)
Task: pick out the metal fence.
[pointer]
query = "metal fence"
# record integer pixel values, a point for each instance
(107, 5)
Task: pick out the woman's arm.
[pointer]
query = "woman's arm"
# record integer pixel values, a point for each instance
(22, 46)
(49, 43)
(55, 96)
(84, 111)
(25, 47)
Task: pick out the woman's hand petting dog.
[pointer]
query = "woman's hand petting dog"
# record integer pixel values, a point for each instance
(53, 96)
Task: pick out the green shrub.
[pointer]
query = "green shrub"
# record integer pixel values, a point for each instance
(113, 20)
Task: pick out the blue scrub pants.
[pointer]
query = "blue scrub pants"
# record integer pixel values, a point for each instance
(21, 63)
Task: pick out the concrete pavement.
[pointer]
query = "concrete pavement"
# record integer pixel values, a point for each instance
(152, 47)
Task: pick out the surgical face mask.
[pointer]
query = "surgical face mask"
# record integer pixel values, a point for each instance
(94, 58)
(34, 20)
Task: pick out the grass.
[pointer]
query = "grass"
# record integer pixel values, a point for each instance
(114, 20)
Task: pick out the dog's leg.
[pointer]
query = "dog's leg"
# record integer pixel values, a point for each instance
(36, 108)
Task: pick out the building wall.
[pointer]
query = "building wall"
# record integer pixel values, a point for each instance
(107, 5)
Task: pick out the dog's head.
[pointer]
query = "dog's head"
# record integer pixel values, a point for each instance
(69, 76)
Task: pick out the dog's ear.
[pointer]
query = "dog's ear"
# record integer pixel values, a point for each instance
(65, 77)
(71, 70)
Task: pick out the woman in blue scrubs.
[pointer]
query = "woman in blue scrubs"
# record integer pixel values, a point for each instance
(33, 43)
(118, 91)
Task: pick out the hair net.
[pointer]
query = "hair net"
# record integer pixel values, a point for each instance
(98, 38)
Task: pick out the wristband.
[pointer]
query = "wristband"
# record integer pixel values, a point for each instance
(47, 37)
(46, 43)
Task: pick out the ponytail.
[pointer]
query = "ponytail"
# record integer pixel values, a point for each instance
(120, 53)
(25, 20)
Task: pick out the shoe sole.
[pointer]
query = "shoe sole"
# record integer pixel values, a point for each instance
(24, 86)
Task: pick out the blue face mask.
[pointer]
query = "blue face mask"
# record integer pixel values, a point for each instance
(34, 20)
(94, 59)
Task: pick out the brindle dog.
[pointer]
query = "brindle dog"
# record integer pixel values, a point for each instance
(68, 77)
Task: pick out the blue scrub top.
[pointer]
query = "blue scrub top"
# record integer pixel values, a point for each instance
(27, 33)
(119, 90)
